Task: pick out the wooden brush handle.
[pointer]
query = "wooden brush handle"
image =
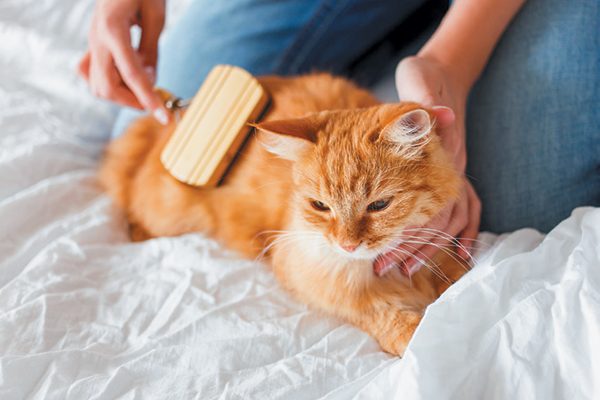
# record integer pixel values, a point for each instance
(214, 127)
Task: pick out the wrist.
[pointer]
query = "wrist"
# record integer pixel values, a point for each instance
(467, 36)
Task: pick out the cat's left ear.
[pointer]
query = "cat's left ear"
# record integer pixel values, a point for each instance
(289, 139)
(409, 128)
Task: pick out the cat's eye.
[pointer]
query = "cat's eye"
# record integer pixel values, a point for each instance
(379, 205)
(319, 205)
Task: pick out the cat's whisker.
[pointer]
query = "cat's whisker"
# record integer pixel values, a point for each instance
(409, 254)
(286, 232)
(419, 240)
(288, 238)
(444, 249)
(403, 252)
(434, 267)
(429, 263)
(443, 235)
(284, 238)
(449, 252)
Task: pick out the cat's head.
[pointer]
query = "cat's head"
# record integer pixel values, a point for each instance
(362, 176)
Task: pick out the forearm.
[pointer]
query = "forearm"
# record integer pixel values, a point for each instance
(468, 34)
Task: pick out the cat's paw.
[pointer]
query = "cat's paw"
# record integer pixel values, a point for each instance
(453, 269)
(396, 339)
(137, 233)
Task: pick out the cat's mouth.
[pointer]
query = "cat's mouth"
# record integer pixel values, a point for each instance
(383, 261)
(361, 253)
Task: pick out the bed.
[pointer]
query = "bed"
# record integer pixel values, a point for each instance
(86, 314)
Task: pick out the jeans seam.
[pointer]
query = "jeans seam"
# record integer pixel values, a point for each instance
(309, 35)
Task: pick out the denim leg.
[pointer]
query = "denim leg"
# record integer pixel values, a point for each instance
(271, 36)
(533, 124)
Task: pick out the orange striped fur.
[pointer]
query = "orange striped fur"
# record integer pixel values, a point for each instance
(332, 137)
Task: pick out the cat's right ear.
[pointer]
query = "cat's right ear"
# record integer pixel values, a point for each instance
(289, 139)
(409, 128)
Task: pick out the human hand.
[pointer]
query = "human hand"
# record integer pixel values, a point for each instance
(427, 81)
(112, 67)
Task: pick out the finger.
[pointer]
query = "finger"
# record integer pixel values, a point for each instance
(458, 222)
(385, 262)
(398, 255)
(415, 238)
(444, 116)
(406, 253)
(83, 68)
(125, 97)
(393, 259)
(412, 241)
(152, 23)
(413, 262)
(134, 76)
(101, 77)
(105, 81)
(411, 83)
(471, 231)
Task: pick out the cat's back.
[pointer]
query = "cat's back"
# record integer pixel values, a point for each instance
(300, 95)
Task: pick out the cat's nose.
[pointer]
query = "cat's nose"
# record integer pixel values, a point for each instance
(349, 246)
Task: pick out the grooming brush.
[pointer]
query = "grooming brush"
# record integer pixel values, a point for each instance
(214, 127)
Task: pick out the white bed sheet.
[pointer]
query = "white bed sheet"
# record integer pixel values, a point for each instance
(85, 314)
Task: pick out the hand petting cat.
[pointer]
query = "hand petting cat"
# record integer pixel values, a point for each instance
(442, 74)
(425, 80)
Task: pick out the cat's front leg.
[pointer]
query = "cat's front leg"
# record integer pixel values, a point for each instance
(138, 233)
(391, 327)
(385, 308)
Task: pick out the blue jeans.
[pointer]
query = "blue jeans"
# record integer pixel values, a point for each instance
(533, 129)
(533, 123)
(283, 37)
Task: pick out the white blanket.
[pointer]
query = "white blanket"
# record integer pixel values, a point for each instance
(86, 314)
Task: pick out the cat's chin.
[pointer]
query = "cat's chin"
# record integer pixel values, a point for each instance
(360, 254)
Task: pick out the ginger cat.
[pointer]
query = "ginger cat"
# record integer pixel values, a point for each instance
(325, 187)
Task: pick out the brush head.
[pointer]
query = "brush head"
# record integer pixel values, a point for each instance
(214, 127)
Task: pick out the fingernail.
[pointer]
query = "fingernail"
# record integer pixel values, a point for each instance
(465, 254)
(414, 268)
(161, 116)
(444, 110)
(409, 268)
(410, 262)
(151, 73)
(387, 268)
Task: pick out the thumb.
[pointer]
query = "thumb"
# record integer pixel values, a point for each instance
(152, 20)
(444, 116)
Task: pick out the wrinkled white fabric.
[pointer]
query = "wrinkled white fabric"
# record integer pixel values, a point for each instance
(85, 314)
(524, 324)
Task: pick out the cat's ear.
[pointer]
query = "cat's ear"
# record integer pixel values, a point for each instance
(289, 138)
(409, 128)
